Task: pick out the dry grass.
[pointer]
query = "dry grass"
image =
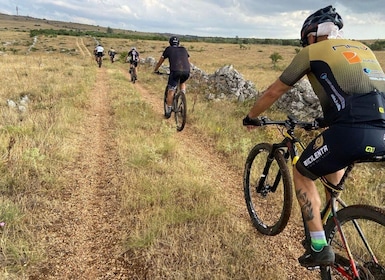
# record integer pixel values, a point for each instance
(178, 224)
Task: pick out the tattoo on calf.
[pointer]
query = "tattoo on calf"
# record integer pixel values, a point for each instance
(306, 206)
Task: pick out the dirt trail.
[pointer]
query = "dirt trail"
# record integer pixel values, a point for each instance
(284, 247)
(83, 242)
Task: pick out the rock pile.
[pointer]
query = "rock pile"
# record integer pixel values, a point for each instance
(227, 83)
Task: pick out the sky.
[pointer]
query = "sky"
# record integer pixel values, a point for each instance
(363, 19)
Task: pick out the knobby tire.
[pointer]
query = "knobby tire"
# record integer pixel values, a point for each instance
(269, 210)
(371, 221)
(180, 110)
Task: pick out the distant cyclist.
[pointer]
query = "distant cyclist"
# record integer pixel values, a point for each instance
(133, 59)
(99, 52)
(112, 53)
(179, 60)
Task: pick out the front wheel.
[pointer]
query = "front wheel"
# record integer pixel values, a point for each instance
(268, 189)
(132, 74)
(180, 109)
(364, 229)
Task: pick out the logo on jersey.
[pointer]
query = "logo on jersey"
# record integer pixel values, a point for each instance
(352, 57)
(337, 98)
(320, 150)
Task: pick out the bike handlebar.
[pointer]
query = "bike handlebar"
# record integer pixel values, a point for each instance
(289, 123)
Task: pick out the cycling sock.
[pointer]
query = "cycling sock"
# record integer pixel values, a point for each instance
(318, 240)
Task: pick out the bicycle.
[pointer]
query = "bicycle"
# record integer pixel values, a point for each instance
(112, 53)
(179, 106)
(352, 231)
(132, 72)
(99, 60)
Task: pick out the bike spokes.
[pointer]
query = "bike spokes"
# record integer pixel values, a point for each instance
(363, 230)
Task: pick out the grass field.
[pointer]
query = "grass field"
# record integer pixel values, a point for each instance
(179, 210)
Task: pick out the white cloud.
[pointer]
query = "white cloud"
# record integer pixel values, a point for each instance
(225, 18)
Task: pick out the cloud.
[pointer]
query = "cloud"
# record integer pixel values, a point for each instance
(223, 18)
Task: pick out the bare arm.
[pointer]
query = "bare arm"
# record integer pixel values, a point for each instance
(161, 59)
(270, 95)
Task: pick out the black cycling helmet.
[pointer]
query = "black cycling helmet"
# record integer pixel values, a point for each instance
(174, 41)
(327, 14)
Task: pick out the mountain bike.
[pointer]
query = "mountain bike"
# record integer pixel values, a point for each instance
(179, 106)
(99, 60)
(356, 232)
(133, 73)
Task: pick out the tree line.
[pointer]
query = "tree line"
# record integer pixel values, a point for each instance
(109, 33)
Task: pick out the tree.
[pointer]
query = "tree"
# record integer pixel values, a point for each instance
(274, 58)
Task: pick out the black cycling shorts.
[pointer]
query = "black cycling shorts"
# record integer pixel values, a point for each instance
(177, 77)
(339, 146)
(134, 62)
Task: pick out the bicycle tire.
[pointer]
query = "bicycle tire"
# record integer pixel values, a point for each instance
(180, 109)
(165, 101)
(132, 74)
(269, 209)
(371, 220)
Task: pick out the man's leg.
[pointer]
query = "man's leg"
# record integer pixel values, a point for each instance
(310, 203)
(170, 96)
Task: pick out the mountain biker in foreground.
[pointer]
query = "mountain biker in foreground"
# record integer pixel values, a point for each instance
(99, 52)
(179, 60)
(133, 59)
(112, 53)
(350, 84)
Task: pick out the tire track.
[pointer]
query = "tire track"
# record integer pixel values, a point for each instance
(82, 240)
(82, 47)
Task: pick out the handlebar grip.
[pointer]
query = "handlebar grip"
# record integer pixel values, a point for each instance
(249, 121)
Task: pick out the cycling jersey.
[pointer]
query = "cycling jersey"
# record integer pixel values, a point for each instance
(133, 55)
(350, 85)
(99, 49)
(178, 58)
(112, 52)
(346, 77)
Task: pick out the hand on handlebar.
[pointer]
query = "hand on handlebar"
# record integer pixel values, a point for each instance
(249, 122)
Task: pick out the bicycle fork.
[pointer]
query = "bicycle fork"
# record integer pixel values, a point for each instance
(262, 187)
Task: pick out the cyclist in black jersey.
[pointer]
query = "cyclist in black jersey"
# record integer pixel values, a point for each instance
(133, 59)
(179, 69)
(350, 84)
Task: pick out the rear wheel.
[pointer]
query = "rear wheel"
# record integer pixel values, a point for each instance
(364, 228)
(165, 101)
(268, 189)
(132, 74)
(180, 109)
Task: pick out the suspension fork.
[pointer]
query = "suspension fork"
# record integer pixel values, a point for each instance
(270, 158)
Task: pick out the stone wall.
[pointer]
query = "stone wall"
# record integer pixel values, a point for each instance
(227, 83)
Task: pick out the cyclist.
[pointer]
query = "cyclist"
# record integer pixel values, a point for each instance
(179, 60)
(133, 58)
(112, 53)
(99, 52)
(350, 84)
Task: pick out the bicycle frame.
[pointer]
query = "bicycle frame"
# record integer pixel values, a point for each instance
(179, 111)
